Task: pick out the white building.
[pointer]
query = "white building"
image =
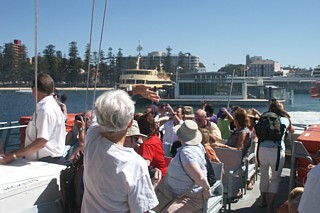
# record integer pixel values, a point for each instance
(263, 68)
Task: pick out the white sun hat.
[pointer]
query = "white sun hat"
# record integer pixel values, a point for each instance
(188, 132)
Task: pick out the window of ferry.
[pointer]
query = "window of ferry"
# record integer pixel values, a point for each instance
(140, 81)
(129, 81)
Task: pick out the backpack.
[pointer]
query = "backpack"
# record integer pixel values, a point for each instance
(269, 127)
(71, 184)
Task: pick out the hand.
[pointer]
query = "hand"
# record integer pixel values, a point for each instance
(310, 166)
(146, 92)
(156, 178)
(206, 193)
(203, 103)
(6, 158)
(76, 155)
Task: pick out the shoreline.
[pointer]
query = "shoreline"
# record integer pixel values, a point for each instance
(59, 88)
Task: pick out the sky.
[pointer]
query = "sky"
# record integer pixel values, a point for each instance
(219, 32)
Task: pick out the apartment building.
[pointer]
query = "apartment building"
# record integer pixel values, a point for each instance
(154, 60)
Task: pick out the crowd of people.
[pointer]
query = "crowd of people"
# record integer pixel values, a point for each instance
(126, 153)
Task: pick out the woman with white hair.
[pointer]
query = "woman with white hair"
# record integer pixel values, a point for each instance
(116, 178)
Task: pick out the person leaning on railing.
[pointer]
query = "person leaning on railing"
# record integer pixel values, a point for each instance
(45, 133)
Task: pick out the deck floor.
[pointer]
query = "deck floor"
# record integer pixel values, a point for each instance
(249, 202)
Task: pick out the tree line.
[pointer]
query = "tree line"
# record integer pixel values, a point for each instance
(17, 68)
(69, 70)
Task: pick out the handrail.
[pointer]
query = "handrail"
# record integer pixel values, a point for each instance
(8, 126)
(13, 127)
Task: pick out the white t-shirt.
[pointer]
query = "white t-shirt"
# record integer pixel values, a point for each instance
(50, 125)
(169, 134)
(309, 202)
(116, 178)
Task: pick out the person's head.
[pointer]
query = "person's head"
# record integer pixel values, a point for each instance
(209, 110)
(241, 118)
(222, 113)
(234, 109)
(201, 118)
(63, 98)
(88, 116)
(179, 111)
(114, 110)
(294, 199)
(277, 107)
(152, 109)
(253, 117)
(163, 109)
(147, 124)
(188, 132)
(188, 113)
(45, 84)
(134, 138)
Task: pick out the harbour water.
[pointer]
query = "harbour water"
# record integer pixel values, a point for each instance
(14, 104)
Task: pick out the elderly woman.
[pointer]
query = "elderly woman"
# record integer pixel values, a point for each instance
(187, 174)
(240, 137)
(151, 149)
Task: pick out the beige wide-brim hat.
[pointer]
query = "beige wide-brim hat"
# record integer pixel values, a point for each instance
(188, 132)
(134, 130)
(188, 112)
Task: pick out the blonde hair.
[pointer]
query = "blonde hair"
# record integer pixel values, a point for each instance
(294, 197)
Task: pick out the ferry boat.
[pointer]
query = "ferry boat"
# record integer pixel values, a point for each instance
(315, 91)
(150, 77)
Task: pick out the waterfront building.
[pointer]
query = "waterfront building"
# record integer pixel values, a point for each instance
(263, 68)
(189, 63)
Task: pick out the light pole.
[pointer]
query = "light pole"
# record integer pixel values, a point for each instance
(177, 71)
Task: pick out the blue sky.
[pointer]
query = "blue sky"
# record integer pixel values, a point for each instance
(220, 32)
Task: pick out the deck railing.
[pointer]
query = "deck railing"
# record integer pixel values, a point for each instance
(10, 135)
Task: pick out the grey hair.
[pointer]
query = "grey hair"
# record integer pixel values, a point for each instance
(114, 110)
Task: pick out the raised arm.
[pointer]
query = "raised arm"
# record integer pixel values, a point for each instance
(145, 91)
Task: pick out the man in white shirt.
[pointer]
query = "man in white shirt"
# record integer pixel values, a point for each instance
(310, 197)
(116, 178)
(45, 133)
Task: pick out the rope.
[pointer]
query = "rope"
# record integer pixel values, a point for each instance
(99, 52)
(36, 65)
(89, 59)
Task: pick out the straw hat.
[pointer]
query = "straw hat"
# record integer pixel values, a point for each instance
(188, 132)
(252, 114)
(188, 112)
(134, 130)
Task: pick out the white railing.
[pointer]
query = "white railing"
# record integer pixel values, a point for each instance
(7, 131)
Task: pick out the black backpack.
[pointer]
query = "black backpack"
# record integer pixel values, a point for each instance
(269, 127)
(71, 184)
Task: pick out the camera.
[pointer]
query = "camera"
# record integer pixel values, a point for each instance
(152, 171)
(78, 117)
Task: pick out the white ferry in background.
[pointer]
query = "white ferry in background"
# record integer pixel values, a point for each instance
(150, 77)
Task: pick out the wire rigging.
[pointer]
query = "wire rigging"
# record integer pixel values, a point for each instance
(89, 56)
(99, 53)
